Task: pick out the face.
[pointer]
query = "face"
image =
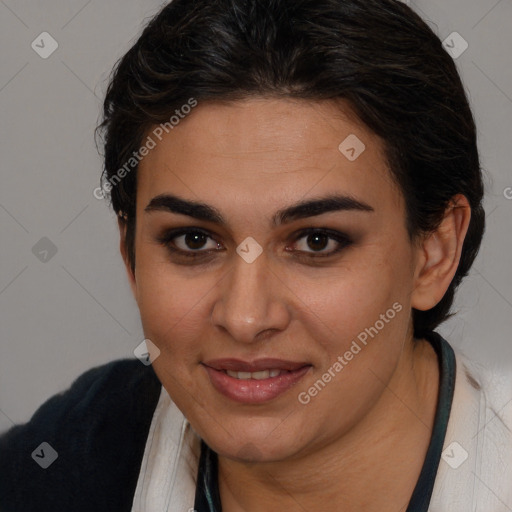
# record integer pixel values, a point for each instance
(273, 272)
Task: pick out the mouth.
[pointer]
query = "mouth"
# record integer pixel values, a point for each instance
(254, 382)
(263, 374)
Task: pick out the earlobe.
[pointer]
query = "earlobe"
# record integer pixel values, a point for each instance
(123, 225)
(439, 255)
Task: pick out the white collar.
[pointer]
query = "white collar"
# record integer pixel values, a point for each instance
(168, 473)
(483, 482)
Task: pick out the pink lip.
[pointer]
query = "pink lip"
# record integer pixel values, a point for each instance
(252, 391)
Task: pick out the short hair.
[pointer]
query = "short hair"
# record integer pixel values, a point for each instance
(378, 56)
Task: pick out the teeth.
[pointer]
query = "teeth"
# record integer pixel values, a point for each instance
(263, 374)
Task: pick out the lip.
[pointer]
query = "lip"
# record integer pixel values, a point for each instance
(253, 391)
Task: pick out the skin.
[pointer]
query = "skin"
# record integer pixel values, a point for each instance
(360, 443)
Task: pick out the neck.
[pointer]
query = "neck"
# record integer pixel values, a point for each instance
(374, 467)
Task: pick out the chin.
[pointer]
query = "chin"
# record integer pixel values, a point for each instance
(253, 447)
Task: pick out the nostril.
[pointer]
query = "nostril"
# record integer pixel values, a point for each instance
(267, 333)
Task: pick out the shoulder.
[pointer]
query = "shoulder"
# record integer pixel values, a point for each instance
(482, 425)
(98, 429)
(493, 381)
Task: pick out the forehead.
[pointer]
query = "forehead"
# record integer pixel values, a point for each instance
(264, 153)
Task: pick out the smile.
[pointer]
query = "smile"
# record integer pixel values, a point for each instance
(254, 382)
(264, 374)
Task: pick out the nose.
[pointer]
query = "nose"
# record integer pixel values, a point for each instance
(252, 301)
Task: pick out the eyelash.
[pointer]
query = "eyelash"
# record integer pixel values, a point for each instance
(168, 237)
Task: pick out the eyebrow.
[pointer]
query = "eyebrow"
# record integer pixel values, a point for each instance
(300, 210)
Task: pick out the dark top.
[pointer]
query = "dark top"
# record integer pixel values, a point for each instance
(207, 491)
(98, 430)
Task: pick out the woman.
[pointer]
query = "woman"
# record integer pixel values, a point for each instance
(299, 195)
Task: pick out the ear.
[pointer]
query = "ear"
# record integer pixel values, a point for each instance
(123, 225)
(439, 255)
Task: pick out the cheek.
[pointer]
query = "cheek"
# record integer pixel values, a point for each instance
(172, 305)
(342, 304)
(369, 307)
(172, 310)
(358, 329)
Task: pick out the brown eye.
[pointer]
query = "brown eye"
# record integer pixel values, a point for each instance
(319, 243)
(188, 242)
(310, 243)
(315, 242)
(194, 240)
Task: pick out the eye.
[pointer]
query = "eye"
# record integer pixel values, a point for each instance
(195, 243)
(189, 242)
(194, 240)
(320, 242)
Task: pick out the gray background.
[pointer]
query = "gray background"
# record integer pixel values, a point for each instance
(64, 315)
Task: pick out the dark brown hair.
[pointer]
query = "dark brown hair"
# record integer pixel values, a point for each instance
(378, 55)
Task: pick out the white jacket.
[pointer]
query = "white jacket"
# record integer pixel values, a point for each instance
(481, 423)
(475, 471)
